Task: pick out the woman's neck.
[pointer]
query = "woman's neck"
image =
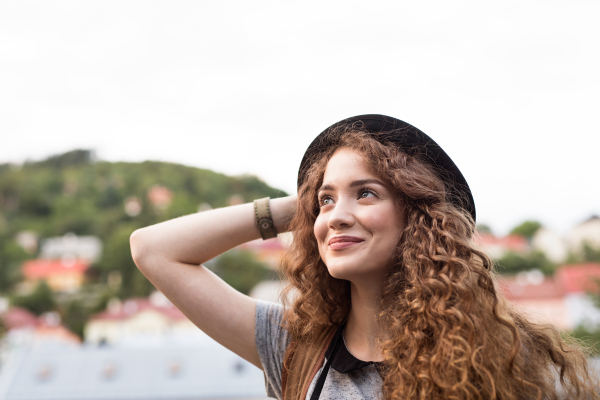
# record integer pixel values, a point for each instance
(363, 334)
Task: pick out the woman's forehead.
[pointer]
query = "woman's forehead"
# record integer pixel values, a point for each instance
(346, 164)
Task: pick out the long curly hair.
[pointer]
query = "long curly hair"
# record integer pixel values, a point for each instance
(452, 335)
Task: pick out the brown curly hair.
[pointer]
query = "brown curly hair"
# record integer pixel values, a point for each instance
(452, 335)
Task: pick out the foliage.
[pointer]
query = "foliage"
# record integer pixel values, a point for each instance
(512, 263)
(11, 258)
(117, 257)
(74, 317)
(71, 158)
(590, 253)
(587, 253)
(589, 337)
(526, 229)
(76, 308)
(72, 192)
(41, 300)
(241, 270)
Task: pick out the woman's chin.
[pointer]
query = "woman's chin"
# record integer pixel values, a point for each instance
(351, 272)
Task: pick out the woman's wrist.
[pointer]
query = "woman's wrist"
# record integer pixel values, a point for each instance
(283, 210)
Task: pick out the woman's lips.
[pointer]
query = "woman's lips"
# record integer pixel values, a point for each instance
(343, 242)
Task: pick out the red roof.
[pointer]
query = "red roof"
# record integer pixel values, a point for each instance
(41, 268)
(131, 307)
(58, 331)
(515, 290)
(576, 278)
(160, 195)
(17, 317)
(579, 278)
(511, 242)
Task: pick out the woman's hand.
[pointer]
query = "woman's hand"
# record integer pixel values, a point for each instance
(169, 254)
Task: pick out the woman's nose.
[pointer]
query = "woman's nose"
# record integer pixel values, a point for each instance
(341, 216)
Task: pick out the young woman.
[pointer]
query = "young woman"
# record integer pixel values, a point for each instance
(388, 296)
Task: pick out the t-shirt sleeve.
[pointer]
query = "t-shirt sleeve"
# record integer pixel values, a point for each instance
(271, 342)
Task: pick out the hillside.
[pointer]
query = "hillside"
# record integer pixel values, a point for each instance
(72, 192)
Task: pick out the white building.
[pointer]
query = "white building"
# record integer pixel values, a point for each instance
(175, 372)
(150, 352)
(551, 244)
(141, 322)
(586, 232)
(71, 246)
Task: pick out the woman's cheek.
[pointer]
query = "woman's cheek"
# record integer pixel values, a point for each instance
(320, 229)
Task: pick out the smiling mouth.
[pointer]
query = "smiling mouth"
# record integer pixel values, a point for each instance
(343, 242)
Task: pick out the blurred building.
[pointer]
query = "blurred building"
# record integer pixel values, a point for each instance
(160, 197)
(563, 300)
(580, 281)
(71, 246)
(586, 232)
(551, 244)
(24, 328)
(207, 371)
(173, 365)
(62, 275)
(497, 247)
(28, 241)
(133, 206)
(269, 251)
(141, 322)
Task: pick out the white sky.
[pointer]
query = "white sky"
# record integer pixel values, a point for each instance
(509, 89)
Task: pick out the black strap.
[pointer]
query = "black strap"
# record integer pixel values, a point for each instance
(321, 381)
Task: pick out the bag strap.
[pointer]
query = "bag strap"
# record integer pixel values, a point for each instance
(321, 382)
(297, 355)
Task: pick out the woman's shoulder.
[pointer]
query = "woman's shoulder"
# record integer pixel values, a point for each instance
(272, 341)
(270, 330)
(269, 310)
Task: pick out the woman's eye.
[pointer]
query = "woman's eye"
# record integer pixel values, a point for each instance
(326, 201)
(366, 193)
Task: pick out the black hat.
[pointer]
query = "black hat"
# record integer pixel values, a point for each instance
(388, 130)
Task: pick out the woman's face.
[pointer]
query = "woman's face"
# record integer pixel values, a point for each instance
(359, 224)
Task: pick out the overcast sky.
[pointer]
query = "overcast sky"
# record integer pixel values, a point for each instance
(509, 89)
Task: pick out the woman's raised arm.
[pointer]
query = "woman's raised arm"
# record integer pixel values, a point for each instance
(169, 254)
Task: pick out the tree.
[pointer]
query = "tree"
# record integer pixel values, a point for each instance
(38, 302)
(74, 157)
(74, 317)
(590, 253)
(11, 258)
(2, 329)
(589, 338)
(117, 257)
(72, 192)
(526, 229)
(241, 270)
(512, 263)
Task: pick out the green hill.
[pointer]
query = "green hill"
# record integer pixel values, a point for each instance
(72, 192)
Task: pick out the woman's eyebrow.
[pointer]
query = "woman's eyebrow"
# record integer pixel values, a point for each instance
(359, 182)
(362, 182)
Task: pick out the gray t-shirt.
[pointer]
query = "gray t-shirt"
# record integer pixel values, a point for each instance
(271, 343)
